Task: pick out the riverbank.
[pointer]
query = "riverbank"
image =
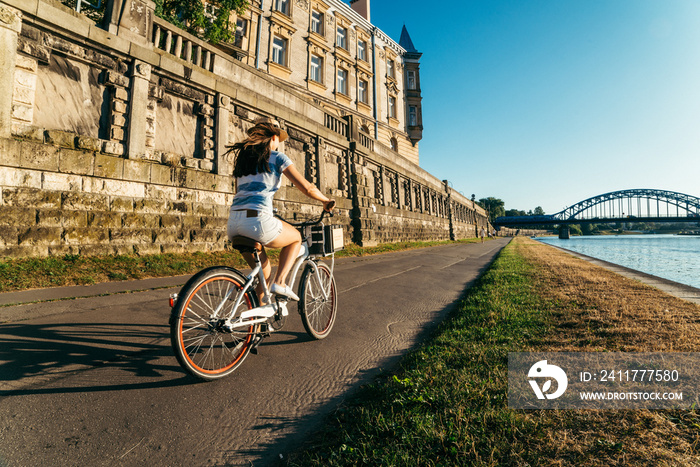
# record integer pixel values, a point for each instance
(446, 403)
(682, 291)
(672, 257)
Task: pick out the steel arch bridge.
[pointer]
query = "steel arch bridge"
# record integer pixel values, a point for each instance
(641, 205)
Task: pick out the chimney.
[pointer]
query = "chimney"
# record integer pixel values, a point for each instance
(361, 7)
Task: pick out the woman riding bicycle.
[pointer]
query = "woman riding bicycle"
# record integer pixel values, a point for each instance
(258, 170)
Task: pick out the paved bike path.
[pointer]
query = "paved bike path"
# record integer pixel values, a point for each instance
(93, 381)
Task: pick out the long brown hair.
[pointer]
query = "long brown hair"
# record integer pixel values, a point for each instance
(253, 153)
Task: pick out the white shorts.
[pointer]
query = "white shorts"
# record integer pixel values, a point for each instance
(263, 228)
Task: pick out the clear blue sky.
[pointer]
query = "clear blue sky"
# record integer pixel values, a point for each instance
(549, 102)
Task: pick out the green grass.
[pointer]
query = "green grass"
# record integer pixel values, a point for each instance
(32, 273)
(447, 403)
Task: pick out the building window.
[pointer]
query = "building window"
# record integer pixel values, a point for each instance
(279, 51)
(282, 6)
(241, 32)
(317, 22)
(341, 38)
(394, 144)
(392, 107)
(390, 69)
(342, 87)
(362, 50)
(412, 115)
(316, 69)
(362, 91)
(411, 79)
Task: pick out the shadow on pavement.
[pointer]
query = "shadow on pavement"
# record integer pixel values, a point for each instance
(41, 353)
(34, 358)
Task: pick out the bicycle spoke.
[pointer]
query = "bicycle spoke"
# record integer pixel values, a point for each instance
(203, 345)
(319, 301)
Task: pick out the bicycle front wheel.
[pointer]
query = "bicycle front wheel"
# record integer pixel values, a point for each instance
(203, 345)
(317, 308)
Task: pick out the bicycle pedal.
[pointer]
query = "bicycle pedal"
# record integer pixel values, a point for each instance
(256, 343)
(282, 310)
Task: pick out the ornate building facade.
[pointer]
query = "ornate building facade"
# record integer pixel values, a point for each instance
(114, 136)
(331, 51)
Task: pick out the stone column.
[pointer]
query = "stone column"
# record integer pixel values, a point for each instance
(110, 22)
(222, 122)
(130, 19)
(564, 232)
(10, 27)
(138, 108)
(382, 184)
(448, 206)
(323, 184)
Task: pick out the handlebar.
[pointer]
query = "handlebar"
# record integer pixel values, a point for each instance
(306, 223)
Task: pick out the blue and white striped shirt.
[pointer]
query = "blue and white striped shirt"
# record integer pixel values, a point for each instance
(256, 191)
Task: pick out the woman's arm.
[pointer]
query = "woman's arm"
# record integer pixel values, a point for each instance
(307, 188)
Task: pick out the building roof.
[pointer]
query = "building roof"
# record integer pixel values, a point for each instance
(406, 41)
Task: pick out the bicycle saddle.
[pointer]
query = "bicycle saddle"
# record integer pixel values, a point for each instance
(245, 244)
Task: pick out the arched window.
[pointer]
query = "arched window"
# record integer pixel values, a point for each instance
(394, 144)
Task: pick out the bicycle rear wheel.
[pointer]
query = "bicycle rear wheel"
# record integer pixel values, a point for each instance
(317, 312)
(202, 344)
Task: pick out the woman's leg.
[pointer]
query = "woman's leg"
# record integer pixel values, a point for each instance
(289, 240)
(267, 270)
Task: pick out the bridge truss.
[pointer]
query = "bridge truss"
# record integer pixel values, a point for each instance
(642, 205)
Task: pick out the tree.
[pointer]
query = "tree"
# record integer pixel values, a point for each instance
(539, 211)
(190, 15)
(494, 207)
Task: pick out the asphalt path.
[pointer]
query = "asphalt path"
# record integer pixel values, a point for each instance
(93, 381)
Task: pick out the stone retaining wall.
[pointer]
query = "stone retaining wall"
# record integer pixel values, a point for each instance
(111, 145)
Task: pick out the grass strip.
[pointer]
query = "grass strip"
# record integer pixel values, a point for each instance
(58, 271)
(447, 403)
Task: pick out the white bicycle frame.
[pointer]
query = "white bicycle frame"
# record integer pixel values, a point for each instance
(262, 313)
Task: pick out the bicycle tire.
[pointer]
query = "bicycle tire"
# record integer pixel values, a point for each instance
(317, 314)
(202, 347)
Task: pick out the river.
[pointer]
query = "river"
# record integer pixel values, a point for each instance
(672, 257)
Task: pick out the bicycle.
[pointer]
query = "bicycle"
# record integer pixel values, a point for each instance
(217, 320)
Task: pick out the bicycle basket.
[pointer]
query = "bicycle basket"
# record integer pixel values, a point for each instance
(326, 239)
